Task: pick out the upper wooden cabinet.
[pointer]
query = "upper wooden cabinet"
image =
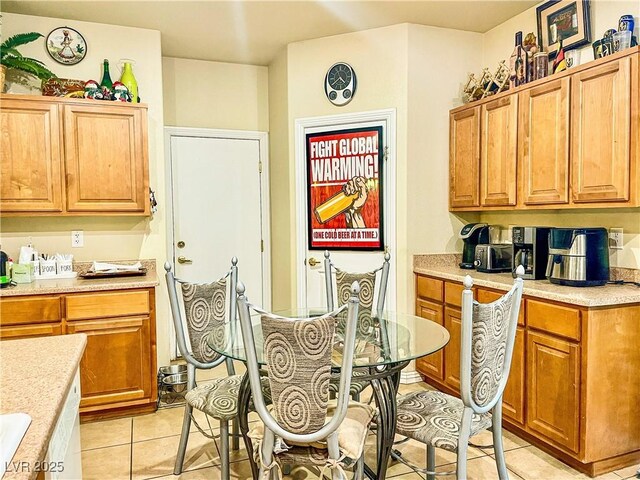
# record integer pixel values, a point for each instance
(601, 123)
(498, 151)
(464, 158)
(543, 143)
(73, 157)
(571, 140)
(31, 157)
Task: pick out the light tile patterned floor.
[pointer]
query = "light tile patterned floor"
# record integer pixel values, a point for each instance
(144, 447)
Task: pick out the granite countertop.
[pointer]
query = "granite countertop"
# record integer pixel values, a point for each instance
(76, 285)
(35, 378)
(445, 266)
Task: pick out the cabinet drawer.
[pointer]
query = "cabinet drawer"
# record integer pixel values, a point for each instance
(453, 294)
(429, 288)
(23, 331)
(557, 319)
(111, 304)
(488, 296)
(28, 310)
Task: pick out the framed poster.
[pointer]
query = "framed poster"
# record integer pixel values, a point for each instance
(566, 20)
(344, 189)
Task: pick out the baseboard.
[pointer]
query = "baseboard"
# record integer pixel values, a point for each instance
(410, 377)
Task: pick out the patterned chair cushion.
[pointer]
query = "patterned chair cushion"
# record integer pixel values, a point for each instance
(204, 306)
(435, 418)
(219, 398)
(352, 435)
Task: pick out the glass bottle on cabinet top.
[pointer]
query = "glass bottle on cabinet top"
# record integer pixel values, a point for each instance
(106, 77)
(518, 63)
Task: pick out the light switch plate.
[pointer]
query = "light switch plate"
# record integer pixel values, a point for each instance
(77, 238)
(615, 238)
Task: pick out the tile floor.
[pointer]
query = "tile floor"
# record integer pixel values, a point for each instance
(144, 447)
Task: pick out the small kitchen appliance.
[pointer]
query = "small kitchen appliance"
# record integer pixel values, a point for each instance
(472, 234)
(578, 257)
(492, 258)
(5, 274)
(531, 250)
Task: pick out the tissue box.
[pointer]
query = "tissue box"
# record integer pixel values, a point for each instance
(23, 273)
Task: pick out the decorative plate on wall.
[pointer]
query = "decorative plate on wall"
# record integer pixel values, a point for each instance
(66, 46)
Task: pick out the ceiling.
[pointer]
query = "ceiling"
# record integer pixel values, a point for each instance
(253, 32)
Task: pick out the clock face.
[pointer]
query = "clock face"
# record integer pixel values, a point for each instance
(340, 83)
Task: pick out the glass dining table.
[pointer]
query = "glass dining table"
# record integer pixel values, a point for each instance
(385, 344)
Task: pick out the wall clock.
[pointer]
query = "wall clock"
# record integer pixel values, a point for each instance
(340, 83)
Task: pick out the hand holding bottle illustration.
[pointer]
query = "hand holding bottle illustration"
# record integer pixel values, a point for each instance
(357, 187)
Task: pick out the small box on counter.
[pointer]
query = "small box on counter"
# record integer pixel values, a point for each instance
(23, 273)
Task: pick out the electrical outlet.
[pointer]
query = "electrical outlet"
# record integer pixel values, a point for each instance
(615, 238)
(77, 238)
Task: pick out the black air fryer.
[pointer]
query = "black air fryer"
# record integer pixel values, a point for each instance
(472, 234)
(5, 278)
(578, 257)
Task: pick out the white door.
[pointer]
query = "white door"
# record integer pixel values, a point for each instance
(312, 291)
(218, 194)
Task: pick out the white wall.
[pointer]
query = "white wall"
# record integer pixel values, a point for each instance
(106, 238)
(497, 45)
(215, 94)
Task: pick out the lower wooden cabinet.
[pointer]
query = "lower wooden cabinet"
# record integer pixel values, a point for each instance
(118, 368)
(553, 389)
(573, 387)
(433, 363)
(453, 324)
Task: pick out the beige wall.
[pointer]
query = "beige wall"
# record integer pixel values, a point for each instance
(435, 78)
(215, 94)
(107, 238)
(497, 45)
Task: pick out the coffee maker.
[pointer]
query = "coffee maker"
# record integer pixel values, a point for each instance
(578, 257)
(472, 234)
(530, 248)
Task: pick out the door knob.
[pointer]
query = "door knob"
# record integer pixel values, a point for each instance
(312, 262)
(183, 259)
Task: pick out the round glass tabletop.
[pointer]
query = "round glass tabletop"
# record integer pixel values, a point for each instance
(387, 339)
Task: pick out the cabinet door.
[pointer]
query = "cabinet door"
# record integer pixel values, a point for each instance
(600, 132)
(30, 179)
(543, 143)
(453, 323)
(513, 398)
(464, 158)
(553, 389)
(106, 159)
(498, 151)
(431, 365)
(116, 365)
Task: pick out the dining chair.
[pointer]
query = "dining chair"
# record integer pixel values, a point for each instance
(486, 348)
(302, 427)
(366, 314)
(206, 310)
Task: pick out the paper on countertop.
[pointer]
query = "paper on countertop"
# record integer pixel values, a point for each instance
(110, 267)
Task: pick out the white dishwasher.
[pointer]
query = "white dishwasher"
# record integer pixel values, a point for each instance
(64, 459)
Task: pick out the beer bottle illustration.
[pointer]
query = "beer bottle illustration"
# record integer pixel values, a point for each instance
(349, 200)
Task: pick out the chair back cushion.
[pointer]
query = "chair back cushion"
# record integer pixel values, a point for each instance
(367, 282)
(489, 340)
(298, 356)
(204, 306)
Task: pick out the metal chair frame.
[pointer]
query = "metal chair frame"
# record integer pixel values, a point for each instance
(193, 364)
(272, 428)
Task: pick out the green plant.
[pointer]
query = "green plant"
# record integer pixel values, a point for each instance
(10, 57)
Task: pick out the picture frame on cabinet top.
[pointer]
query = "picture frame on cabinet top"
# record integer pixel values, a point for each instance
(566, 20)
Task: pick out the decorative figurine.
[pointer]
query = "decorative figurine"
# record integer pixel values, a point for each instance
(92, 90)
(531, 47)
(121, 92)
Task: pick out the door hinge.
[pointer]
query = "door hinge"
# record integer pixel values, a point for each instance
(260, 166)
(262, 246)
(385, 156)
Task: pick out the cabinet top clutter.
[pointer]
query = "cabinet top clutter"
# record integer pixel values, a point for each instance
(64, 156)
(570, 140)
